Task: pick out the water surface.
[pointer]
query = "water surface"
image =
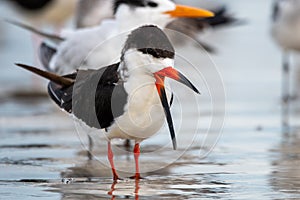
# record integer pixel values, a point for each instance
(43, 157)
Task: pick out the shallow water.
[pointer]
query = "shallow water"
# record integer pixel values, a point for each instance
(43, 157)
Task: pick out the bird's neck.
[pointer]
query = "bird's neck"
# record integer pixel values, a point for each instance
(139, 82)
(133, 72)
(136, 63)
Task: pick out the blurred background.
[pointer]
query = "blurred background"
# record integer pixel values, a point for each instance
(253, 158)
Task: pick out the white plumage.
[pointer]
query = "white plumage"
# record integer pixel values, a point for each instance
(92, 12)
(143, 115)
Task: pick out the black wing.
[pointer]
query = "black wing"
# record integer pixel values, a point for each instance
(96, 97)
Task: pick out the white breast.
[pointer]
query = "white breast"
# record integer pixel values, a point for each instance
(144, 114)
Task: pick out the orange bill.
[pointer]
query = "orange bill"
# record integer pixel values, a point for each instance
(187, 11)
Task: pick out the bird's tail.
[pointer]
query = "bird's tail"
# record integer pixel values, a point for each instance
(52, 37)
(46, 55)
(63, 81)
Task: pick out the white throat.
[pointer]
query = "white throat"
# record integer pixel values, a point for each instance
(136, 63)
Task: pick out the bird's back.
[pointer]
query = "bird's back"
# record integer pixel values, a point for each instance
(96, 97)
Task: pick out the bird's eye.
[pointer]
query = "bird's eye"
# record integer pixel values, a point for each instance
(151, 52)
(152, 4)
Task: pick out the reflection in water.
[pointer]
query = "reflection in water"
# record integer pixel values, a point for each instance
(136, 190)
(286, 174)
(93, 181)
(112, 190)
(41, 149)
(170, 187)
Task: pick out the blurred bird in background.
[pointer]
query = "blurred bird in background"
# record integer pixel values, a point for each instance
(286, 33)
(44, 13)
(86, 47)
(93, 12)
(47, 15)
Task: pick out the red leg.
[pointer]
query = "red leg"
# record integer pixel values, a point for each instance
(110, 156)
(137, 188)
(136, 152)
(112, 190)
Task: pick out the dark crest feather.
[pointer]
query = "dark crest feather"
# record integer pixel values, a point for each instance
(150, 40)
(132, 3)
(33, 4)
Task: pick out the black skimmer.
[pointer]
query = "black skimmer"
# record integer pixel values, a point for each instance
(285, 31)
(53, 14)
(127, 99)
(73, 52)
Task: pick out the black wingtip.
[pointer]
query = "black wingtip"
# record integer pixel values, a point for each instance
(22, 65)
(29, 68)
(48, 75)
